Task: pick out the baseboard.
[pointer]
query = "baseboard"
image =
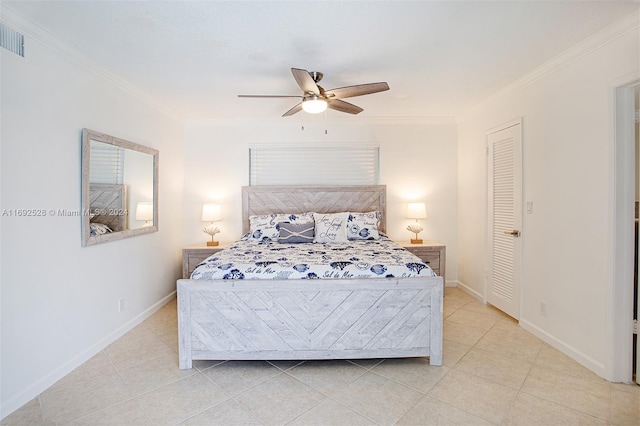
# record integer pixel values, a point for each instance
(43, 384)
(581, 358)
(471, 292)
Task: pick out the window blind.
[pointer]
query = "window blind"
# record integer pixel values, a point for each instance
(339, 165)
(11, 40)
(107, 163)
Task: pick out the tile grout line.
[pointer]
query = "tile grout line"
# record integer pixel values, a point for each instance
(563, 407)
(88, 380)
(134, 397)
(519, 389)
(244, 390)
(230, 398)
(328, 396)
(354, 410)
(482, 378)
(408, 385)
(207, 407)
(112, 405)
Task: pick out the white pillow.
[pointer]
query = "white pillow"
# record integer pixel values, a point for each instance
(331, 228)
(363, 226)
(263, 227)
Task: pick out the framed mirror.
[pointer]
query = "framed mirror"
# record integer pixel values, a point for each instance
(119, 188)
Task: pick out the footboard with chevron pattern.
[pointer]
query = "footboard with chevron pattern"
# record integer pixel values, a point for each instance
(310, 319)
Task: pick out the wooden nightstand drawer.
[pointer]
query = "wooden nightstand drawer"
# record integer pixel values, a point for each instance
(431, 252)
(430, 257)
(196, 258)
(194, 255)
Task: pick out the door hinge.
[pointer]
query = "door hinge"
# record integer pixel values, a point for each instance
(635, 326)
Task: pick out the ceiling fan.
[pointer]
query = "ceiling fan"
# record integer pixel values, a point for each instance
(315, 99)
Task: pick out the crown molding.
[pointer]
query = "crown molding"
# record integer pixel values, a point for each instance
(34, 32)
(590, 44)
(346, 120)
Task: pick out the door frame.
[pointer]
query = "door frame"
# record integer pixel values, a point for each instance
(620, 312)
(489, 253)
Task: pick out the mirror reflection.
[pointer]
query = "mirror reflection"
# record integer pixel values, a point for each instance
(119, 188)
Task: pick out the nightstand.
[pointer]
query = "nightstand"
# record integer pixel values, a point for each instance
(195, 254)
(432, 253)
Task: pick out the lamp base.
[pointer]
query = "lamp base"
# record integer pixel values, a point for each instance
(416, 241)
(212, 243)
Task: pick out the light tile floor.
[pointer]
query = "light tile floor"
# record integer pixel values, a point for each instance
(494, 372)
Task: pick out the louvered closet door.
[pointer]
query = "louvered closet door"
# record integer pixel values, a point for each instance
(505, 219)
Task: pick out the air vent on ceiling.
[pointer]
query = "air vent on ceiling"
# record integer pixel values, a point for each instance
(11, 40)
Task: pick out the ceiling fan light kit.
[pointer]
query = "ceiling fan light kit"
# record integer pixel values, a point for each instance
(314, 105)
(315, 99)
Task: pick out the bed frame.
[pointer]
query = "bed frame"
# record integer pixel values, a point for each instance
(111, 203)
(319, 319)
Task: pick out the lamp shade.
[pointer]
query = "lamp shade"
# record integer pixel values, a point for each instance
(211, 213)
(416, 211)
(144, 211)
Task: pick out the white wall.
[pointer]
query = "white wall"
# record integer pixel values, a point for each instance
(417, 161)
(59, 300)
(567, 150)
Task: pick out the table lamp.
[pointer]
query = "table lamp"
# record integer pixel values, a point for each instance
(211, 213)
(144, 211)
(416, 211)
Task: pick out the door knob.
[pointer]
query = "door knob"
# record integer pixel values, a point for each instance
(514, 233)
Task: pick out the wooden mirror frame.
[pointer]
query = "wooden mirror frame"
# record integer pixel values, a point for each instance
(87, 137)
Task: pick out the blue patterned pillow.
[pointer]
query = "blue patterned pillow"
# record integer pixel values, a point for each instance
(363, 226)
(266, 227)
(96, 229)
(293, 233)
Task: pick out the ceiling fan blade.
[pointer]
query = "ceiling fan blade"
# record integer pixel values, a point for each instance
(357, 90)
(269, 96)
(343, 106)
(305, 81)
(293, 110)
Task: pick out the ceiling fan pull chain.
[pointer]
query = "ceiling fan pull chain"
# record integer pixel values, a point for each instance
(325, 121)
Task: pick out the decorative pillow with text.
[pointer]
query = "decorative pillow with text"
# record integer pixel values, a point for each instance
(331, 228)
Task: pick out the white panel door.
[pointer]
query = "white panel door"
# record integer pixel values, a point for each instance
(505, 218)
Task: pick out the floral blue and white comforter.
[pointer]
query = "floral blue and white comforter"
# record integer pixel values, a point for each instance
(250, 259)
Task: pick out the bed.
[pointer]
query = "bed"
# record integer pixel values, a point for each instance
(109, 209)
(344, 316)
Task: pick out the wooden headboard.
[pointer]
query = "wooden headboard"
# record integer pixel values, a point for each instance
(110, 201)
(257, 200)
